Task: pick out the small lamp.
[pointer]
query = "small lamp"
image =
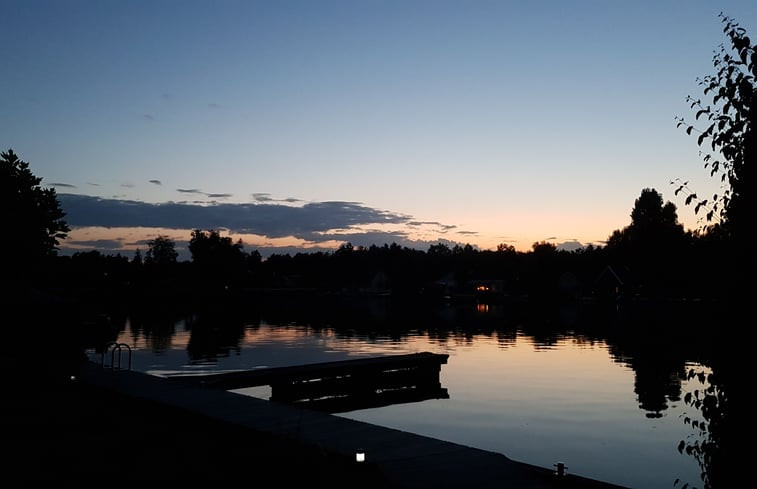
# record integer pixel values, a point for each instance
(359, 455)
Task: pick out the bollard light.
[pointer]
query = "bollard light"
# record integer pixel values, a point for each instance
(360, 455)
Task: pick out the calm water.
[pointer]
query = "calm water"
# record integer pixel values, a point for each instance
(609, 408)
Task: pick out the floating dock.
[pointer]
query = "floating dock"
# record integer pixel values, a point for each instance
(341, 386)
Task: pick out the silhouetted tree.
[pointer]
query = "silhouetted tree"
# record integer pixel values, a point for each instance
(217, 258)
(161, 251)
(505, 248)
(439, 249)
(653, 245)
(31, 213)
(725, 401)
(543, 247)
(210, 248)
(654, 225)
(730, 133)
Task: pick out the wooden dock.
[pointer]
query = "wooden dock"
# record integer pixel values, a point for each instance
(409, 460)
(341, 386)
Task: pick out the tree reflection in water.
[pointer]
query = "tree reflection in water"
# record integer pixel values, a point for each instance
(663, 346)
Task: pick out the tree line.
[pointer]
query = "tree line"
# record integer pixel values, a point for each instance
(652, 257)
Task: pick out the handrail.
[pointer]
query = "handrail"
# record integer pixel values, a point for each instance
(113, 347)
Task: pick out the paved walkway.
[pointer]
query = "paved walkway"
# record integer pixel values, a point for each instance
(406, 459)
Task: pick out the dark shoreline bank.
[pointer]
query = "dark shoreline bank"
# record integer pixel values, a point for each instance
(64, 434)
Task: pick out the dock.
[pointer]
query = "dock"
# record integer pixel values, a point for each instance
(341, 386)
(409, 460)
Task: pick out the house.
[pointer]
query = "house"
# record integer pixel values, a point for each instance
(614, 282)
(486, 290)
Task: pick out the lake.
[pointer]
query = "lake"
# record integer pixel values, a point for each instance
(541, 386)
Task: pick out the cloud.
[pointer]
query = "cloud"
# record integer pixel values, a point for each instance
(266, 197)
(314, 222)
(197, 191)
(156, 182)
(148, 117)
(468, 233)
(101, 244)
(128, 185)
(58, 184)
(571, 245)
(443, 228)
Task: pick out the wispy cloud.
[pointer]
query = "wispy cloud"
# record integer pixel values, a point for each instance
(59, 184)
(101, 244)
(197, 191)
(148, 117)
(156, 182)
(442, 227)
(266, 197)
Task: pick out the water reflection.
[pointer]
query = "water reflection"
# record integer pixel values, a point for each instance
(215, 335)
(658, 361)
(521, 378)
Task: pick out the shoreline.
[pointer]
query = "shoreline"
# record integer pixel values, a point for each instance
(67, 434)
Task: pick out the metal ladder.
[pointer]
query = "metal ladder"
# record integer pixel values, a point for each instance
(115, 362)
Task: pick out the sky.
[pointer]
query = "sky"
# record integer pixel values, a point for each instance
(302, 125)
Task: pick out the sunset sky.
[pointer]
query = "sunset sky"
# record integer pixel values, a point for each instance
(305, 124)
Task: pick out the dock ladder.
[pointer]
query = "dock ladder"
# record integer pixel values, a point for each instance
(115, 361)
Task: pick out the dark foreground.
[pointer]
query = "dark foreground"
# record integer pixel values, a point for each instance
(58, 433)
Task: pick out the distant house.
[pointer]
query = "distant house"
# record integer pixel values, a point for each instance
(614, 282)
(486, 289)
